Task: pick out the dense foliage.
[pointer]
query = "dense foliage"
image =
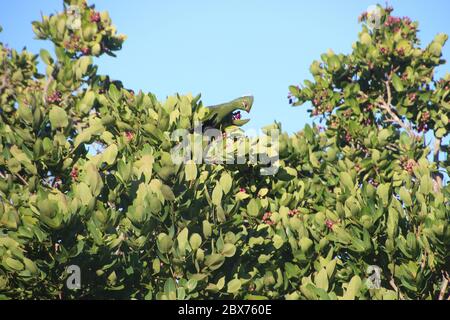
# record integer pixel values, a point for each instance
(87, 179)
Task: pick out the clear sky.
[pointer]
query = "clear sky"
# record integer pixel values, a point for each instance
(226, 49)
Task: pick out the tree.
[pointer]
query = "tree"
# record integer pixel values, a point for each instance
(377, 103)
(88, 179)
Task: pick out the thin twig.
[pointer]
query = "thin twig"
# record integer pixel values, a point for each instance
(443, 286)
(387, 106)
(437, 176)
(46, 85)
(22, 179)
(394, 286)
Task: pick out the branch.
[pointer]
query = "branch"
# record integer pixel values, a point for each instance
(47, 83)
(387, 106)
(437, 176)
(394, 286)
(4, 83)
(443, 286)
(22, 179)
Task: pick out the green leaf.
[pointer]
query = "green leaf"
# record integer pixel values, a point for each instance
(14, 264)
(206, 228)
(353, 288)
(164, 242)
(234, 286)
(435, 49)
(228, 250)
(392, 223)
(156, 265)
(145, 166)
(83, 193)
(383, 191)
(58, 117)
(46, 57)
(321, 279)
(190, 170)
(263, 192)
(277, 241)
(365, 38)
(334, 63)
(110, 154)
(167, 193)
(253, 208)
(25, 112)
(214, 261)
(217, 195)
(426, 185)
(347, 180)
(440, 133)
(195, 241)
(226, 182)
(397, 83)
(405, 196)
(170, 288)
(182, 239)
(93, 179)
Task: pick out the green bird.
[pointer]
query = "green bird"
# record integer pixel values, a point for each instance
(227, 114)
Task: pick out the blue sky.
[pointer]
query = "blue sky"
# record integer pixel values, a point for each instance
(225, 49)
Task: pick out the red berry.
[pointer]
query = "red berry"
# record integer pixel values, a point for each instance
(57, 182)
(95, 17)
(129, 135)
(86, 51)
(266, 218)
(74, 173)
(55, 97)
(329, 224)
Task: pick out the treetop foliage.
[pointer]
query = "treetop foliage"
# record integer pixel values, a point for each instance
(87, 178)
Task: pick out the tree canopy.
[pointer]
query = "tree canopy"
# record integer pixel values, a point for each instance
(357, 209)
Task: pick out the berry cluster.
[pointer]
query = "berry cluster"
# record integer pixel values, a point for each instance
(347, 113)
(444, 83)
(408, 164)
(86, 51)
(95, 17)
(55, 97)
(362, 17)
(412, 96)
(423, 122)
(293, 212)
(320, 105)
(73, 44)
(266, 218)
(396, 23)
(334, 124)
(329, 224)
(74, 173)
(384, 50)
(401, 52)
(242, 190)
(348, 137)
(129, 135)
(374, 183)
(392, 21)
(57, 182)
